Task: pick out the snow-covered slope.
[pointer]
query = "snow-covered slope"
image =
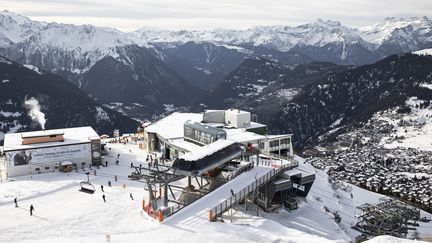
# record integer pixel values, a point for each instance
(424, 52)
(16, 27)
(63, 214)
(73, 48)
(409, 29)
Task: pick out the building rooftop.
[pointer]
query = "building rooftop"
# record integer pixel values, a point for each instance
(207, 150)
(171, 126)
(76, 135)
(237, 111)
(240, 135)
(184, 145)
(43, 133)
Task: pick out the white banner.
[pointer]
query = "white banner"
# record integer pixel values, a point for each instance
(48, 155)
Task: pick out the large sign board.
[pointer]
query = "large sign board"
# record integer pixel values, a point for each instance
(48, 155)
(116, 133)
(96, 152)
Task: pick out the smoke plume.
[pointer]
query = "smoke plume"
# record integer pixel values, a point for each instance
(34, 111)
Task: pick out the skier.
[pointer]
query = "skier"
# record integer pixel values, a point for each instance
(103, 197)
(115, 178)
(16, 202)
(109, 184)
(117, 162)
(232, 192)
(102, 188)
(130, 195)
(31, 209)
(118, 155)
(106, 163)
(131, 165)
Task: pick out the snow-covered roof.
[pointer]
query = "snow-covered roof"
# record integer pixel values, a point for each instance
(240, 135)
(278, 136)
(171, 126)
(185, 145)
(43, 133)
(255, 125)
(204, 151)
(75, 135)
(236, 111)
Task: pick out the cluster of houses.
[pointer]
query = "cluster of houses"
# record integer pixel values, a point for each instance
(359, 158)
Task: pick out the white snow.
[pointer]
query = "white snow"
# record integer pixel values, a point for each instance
(5, 81)
(336, 123)
(169, 108)
(16, 27)
(198, 214)
(390, 239)
(288, 94)
(4, 60)
(137, 104)
(9, 114)
(171, 126)
(204, 151)
(418, 134)
(425, 52)
(101, 114)
(76, 135)
(426, 85)
(405, 28)
(63, 214)
(33, 68)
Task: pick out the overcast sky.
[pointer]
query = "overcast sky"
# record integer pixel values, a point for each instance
(129, 15)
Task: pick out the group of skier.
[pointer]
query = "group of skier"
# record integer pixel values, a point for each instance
(31, 206)
(109, 184)
(149, 160)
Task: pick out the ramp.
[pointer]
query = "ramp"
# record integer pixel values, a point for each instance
(198, 212)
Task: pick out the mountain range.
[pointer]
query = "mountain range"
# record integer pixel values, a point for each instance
(151, 72)
(353, 96)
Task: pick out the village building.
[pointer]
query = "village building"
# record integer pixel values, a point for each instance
(36, 152)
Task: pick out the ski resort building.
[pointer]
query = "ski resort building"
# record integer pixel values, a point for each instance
(51, 150)
(225, 154)
(180, 133)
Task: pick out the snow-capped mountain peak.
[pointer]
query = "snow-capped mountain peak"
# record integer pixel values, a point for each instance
(406, 28)
(84, 38)
(16, 27)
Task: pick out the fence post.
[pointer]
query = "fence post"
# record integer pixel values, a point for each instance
(211, 215)
(160, 216)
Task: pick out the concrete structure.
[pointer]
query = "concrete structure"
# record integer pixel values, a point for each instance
(237, 118)
(46, 151)
(180, 133)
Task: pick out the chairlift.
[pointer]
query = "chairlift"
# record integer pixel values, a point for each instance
(86, 186)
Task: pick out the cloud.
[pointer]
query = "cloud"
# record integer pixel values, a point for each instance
(239, 14)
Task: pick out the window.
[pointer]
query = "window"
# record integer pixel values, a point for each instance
(285, 141)
(47, 168)
(37, 169)
(274, 143)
